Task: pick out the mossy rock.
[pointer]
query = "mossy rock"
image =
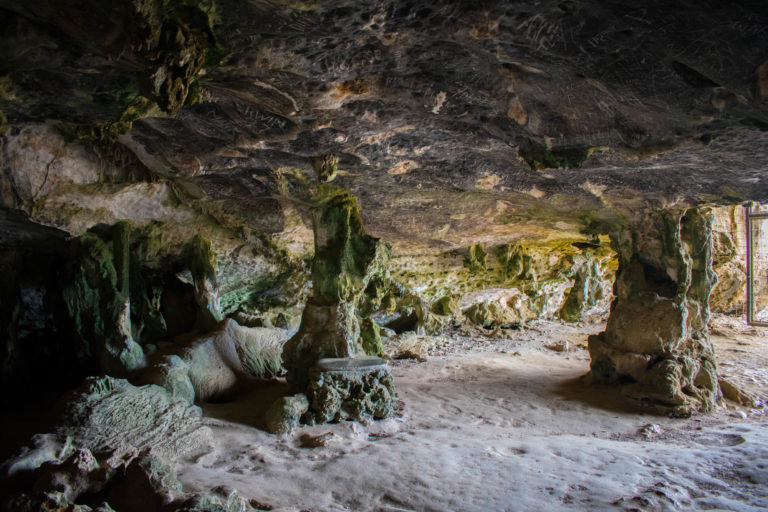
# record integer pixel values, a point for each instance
(538, 156)
(370, 337)
(346, 257)
(446, 305)
(476, 259)
(491, 314)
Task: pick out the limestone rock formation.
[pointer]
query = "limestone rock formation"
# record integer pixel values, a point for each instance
(110, 415)
(729, 260)
(285, 414)
(136, 483)
(360, 389)
(117, 442)
(159, 160)
(215, 364)
(657, 339)
(346, 259)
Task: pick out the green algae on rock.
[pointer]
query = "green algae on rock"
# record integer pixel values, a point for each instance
(346, 259)
(97, 300)
(475, 260)
(361, 389)
(325, 166)
(657, 338)
(201, 262)
(370, 334)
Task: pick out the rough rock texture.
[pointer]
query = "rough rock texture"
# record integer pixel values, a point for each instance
(171, 373)
(149, 478)
(285, 414)
(657, 338)
(116, 444)
(127, 482)
(53, 501)
(214, 364)
(325, 331)
(202, 266)
(98, 300)
(110, 415)
(568, 279)
(467, 120)
(360, 389)
(476, 137)
(346, 259)
(729, 260)
(78, 474)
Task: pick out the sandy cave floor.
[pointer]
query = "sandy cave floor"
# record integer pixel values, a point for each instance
(495, 424)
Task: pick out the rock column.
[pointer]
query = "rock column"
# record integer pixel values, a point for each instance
(97, 299)
(346, 258)
(656, 340)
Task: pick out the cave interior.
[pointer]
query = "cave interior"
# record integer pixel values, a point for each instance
(383, 255)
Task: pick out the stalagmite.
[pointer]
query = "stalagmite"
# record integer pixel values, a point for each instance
(346, 258)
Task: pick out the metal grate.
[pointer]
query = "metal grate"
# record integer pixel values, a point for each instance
(757, 265)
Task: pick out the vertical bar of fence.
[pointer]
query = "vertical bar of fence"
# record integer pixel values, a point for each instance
(748, 223)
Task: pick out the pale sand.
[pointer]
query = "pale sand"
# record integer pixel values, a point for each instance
(483, 428)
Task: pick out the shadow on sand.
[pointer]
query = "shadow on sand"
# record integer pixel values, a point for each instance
(249, 405)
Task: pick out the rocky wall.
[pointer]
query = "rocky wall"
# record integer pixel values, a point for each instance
(147, 259)
(512, 283)
(729, 260)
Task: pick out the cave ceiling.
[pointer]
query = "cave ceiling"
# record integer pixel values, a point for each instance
(453, 122)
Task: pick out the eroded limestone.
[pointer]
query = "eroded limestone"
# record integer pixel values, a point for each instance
(360, 389)
(346, 260)
(656, 338)
(284, 415)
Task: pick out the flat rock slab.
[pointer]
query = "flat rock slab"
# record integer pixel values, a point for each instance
(359, 389)
(351, 364)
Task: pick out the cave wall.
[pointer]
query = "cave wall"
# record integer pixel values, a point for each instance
(509, 284)
(729, 260)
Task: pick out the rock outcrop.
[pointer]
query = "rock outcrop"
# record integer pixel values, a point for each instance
(346, 259)
(218, 363)
(656, 341)
(360, 389)
(117, 442)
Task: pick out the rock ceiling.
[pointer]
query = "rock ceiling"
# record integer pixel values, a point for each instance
(453, 122)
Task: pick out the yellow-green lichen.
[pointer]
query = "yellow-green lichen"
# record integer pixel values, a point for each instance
(370, 337)
(476, 259)
(200, 258)
(346, 257)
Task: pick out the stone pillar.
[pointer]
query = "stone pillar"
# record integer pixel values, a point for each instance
(346, 258)
(656, 340)
(97, 299)
(201, 261)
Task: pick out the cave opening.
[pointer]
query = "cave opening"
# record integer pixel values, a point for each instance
(757, 265)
